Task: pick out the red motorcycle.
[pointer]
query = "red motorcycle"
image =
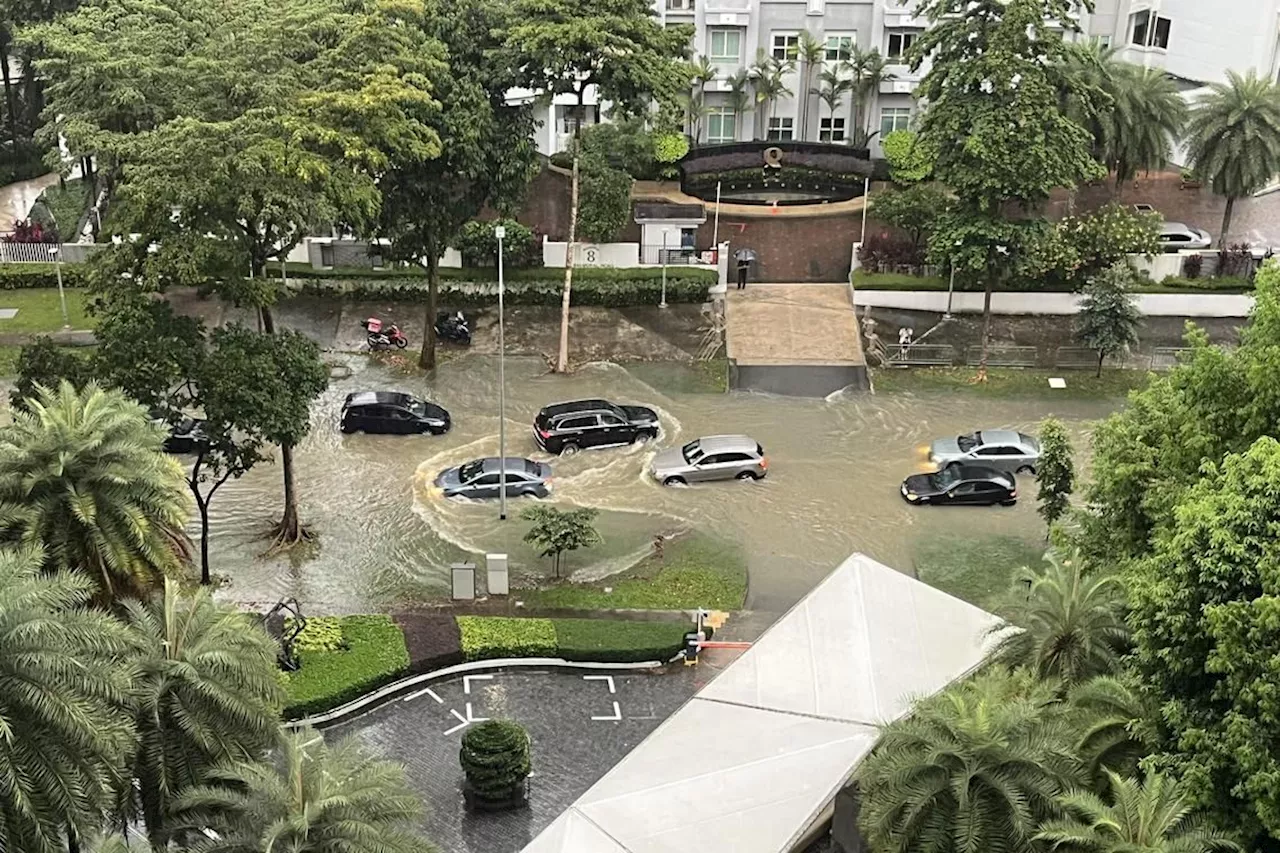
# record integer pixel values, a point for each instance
(380, 336)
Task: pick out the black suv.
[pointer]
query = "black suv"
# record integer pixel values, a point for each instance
(393, 413)
(569, 427)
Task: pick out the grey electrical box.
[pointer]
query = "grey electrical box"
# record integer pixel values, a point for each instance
(464, 581)
(498, 581)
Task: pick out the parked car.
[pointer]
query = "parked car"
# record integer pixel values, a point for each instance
(393, 413)
(714, 457)
(481, 478)
(569, 427)
(961, 485)
(185, 435)
(1175, 236)
(1002, 449)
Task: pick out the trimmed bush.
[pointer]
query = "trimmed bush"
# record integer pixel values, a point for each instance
(375, 655)
(611, 641)
(637, 287)
(319, 634)
(24, 276)
(486, 637)
(433, 641)
(495, 758)
(1219, 283)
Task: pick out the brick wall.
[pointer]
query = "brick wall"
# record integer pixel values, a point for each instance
(791, 249)
(546, 205)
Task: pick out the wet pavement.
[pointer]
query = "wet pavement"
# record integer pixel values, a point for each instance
(581, 724)
(385, 541)
(776, 324)
(16, 199)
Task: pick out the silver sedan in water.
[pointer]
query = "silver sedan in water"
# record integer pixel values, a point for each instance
(1002, 449)
(713, 457)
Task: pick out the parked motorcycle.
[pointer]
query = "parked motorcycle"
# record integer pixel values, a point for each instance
(382, 337)
(453, 328)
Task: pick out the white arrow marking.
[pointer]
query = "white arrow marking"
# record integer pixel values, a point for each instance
(474, 719)
(425, 691)
(466, 681)
(606, 678)
(617, 715)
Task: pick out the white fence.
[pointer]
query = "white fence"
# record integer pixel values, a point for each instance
(46, 253)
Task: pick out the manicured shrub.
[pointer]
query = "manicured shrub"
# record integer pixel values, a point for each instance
(433, 641)
(613, 641)
(375, 655)
(495, 758)
(23, 276)
(487, 637)
(319, 634)
(639, 288)
(1192, 265)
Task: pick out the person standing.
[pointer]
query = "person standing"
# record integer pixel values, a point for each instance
(743, 265)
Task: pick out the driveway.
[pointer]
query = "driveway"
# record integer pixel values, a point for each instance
(581, 723)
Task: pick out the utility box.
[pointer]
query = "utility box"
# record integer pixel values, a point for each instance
(464, 581)
(498, 576)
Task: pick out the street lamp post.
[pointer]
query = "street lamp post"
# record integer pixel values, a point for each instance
(500, 232)
(663, 303)
(62, 296)
(951, 287)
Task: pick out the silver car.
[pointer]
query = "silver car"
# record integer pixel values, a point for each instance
(482, 478)
(1002, 449)
(1175, 236)
(713, 457)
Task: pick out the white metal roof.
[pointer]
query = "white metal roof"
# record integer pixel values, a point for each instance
(748, 763)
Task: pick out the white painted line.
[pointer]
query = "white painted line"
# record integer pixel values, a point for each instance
(466, 681)
(458, 727)
(433, 695)
(606, 678)
(426, 691)
(617, 715)
(474, 719)
(459, 716)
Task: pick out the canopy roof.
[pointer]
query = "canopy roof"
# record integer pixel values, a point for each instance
(749, 763)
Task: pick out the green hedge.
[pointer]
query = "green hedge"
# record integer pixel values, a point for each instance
(637, 288)
(483, 274)
(375, 655)
(618, 642)
(485, 637)
(26, 276)
(1235, 284)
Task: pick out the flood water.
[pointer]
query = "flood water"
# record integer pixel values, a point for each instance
(835, 467)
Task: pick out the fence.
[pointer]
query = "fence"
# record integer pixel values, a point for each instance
(1004, 356)
(656, 255)
(921, 355)
(1082, 358)
(44, 253)
(1165, 358)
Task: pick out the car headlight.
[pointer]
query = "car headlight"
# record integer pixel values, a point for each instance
(912, 496)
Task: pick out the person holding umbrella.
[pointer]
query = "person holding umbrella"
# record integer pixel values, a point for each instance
(744, 258)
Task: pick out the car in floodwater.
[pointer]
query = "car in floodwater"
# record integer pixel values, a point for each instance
(392, 413)
(713, 457)
(566, 428)
(961, 485)
(183, 434)
(482, 478)
(1002, 449)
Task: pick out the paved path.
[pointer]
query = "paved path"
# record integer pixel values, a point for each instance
(16, 199)
(769, 324)
(1056, 304)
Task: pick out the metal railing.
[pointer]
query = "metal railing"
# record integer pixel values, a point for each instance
(1004, 356)
(43, 253)
(1166, 358)
(921, 355)
(676, 255)
(1082, 358)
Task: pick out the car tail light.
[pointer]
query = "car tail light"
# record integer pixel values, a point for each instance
(1013, 493)
(764, 462)
(545, 433)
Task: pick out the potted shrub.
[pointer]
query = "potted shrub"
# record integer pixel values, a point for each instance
(1192, 266)
(1190, 181)
(495, 759)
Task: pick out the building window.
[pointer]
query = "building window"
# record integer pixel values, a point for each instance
(894, 118)
(781, 128)
(726, 45)
(840, 47)
(900, 43)
(831, 130)
(680, 5)
(722, 125)
(785, 45)
(817, 7)
(1149, 30)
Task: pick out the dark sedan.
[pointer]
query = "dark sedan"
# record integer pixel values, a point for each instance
(961, 485)
(392, 413)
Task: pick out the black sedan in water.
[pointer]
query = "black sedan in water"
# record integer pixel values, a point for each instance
(961, 485)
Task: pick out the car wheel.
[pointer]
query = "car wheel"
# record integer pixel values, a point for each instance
(674, 481)
(747, 475)
(643, 437)
(529, 493)
(1009, 502)
(346, 429)
(1026, 469)
(568, 448)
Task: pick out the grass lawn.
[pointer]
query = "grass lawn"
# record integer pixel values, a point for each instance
(695, 571)
(980, 569)
(40, 311)
(375, 655)
(1010, 381)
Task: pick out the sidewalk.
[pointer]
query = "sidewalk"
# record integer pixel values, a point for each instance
(1055, 304)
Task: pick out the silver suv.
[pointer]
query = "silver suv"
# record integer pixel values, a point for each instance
(1002, 449)
(713, 457)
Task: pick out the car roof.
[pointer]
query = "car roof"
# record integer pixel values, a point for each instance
(371, 398)
(1174, 226)
(723, 443)
(984, 474)
(1000, 436)
(570, 406)
(514, 463)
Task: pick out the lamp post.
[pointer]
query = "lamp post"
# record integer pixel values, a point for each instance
(866, 191)
(62, 296)
(951, 287)
(663, 303)
(500, 232)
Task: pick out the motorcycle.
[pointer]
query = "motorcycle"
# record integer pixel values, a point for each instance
(380, 337)
(453, 328)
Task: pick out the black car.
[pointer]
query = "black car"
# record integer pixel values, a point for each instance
(569, 427)
(184, 435)
(392, 412)
(961, 485)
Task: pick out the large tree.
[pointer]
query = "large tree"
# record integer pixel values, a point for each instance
(1147, 112)
(63, 705)
(208, 693)
(993, 89)
(1109, 318)
(83, 474)
(1233, 139)
(620, 48)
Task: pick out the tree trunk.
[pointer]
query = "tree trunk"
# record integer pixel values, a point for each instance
(1101, 357)
(427, 359)
(986, 326)
(1226, 221)
(290, 528)
(562, 358)
(6, 41)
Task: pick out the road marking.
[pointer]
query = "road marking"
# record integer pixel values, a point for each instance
(617, 715)
(466, 681)
(426, 691)
(605, 678)
(475, 719)
(463, 722)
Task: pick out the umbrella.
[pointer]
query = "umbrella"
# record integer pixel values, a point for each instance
(747, 255)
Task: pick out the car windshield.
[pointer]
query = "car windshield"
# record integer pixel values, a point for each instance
(968, 442)
(692, 452)
(418, 407)
(470, 471)
(617, 410)
(945, 478)
(1029, 441)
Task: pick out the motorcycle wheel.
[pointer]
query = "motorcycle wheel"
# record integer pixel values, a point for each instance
(402, 342)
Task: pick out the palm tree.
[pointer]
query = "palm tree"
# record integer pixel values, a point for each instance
(1110, 713)
(810, 52)
(832, 88)
(767, 76)
(1234, 139)
(311, 799)
(974, 769)
(702, 72)
(208, 694)
(84, 475)
(1146, 114)
(739, 96)
(1155, 816)
(1087, 96)
(1072, 623)
(867, 69)
(63, 705)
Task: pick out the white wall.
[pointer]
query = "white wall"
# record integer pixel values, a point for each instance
(592, 254)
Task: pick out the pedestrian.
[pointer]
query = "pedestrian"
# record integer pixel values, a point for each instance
(743, 266)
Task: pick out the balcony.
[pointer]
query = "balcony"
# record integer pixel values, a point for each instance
(902, 13)
(677, 8)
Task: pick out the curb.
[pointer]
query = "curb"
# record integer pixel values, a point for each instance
(383, 694)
